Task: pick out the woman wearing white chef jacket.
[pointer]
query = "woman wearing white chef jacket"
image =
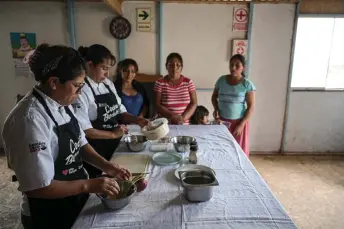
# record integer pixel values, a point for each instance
(99, 109)
(46, 146)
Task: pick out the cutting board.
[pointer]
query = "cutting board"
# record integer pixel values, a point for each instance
(135, 163)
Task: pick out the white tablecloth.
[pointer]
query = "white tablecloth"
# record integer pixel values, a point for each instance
(242, 200)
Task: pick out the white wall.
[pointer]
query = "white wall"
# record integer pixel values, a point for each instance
(202, 34)
(270, 57)
(142, 46)
(316, 122)
(49, 21)
(92, 22)
(203, 39)
(92, 25)
(30, 17)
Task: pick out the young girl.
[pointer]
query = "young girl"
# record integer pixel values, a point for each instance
(233, 101)
(200, 116)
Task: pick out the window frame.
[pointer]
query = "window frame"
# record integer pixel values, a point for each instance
(312, 89)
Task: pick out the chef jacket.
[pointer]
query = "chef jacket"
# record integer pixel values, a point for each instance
(85, 107)
(31, 143)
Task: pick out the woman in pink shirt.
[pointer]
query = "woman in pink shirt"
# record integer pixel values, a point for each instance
(175, 94)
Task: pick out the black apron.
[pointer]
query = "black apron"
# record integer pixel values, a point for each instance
(107, 110)
(61, 213)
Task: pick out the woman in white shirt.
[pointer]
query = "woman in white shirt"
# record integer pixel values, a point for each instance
(99, 108)
(46, 146)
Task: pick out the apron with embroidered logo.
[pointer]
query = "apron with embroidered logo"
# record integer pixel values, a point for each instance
(107, 110)
(61, 213)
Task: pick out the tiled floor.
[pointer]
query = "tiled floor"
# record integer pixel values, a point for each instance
(9, 198)
(310, 188)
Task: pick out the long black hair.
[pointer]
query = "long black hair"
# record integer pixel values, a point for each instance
(59, 61)
(240, 58)
(124, 65)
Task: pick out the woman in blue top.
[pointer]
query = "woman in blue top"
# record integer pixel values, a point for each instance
(233, 101)
(132, 93)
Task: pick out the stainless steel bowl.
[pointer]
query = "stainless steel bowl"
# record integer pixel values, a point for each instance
(198, 185)
(182, 143)
(117, 204)
(136, 143)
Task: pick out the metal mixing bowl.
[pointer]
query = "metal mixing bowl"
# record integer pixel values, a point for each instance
(136, 143)
(182, 143)
(117, 204)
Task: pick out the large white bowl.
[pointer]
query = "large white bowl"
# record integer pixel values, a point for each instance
(159, 132)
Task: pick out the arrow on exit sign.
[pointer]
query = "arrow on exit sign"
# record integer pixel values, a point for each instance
(144, 15)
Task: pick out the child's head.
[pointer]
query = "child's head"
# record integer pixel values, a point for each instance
(200, 116)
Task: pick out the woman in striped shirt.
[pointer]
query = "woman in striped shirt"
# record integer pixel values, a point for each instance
(175, 94)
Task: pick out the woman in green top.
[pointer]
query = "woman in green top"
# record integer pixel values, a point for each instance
(233, 101)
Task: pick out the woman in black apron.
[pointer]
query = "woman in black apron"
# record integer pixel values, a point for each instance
(99, 109)
(48, 159)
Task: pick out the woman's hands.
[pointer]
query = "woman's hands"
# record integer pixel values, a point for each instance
(216, 114)
(116, 171)
(238, 130)
(142, 122)
(120, 131)
(177, 119)
(102, 185)
(106, 185)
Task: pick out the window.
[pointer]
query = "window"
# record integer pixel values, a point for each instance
(319, 54)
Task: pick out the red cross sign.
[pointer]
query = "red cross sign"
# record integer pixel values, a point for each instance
(241, 15)
(240, 50)
(240, 19)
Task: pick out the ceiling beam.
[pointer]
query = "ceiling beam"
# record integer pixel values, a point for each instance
(116, 5)
(222, 1)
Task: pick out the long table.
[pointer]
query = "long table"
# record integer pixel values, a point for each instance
(242, 200)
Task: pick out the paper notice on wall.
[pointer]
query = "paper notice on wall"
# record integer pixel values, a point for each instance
(20, 68)
(22, 44)
(240, 19)
(240, 47)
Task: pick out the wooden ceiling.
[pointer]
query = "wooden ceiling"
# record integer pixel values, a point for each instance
(306, 6)
(116, 5)
(181, 1)
(322, 7)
